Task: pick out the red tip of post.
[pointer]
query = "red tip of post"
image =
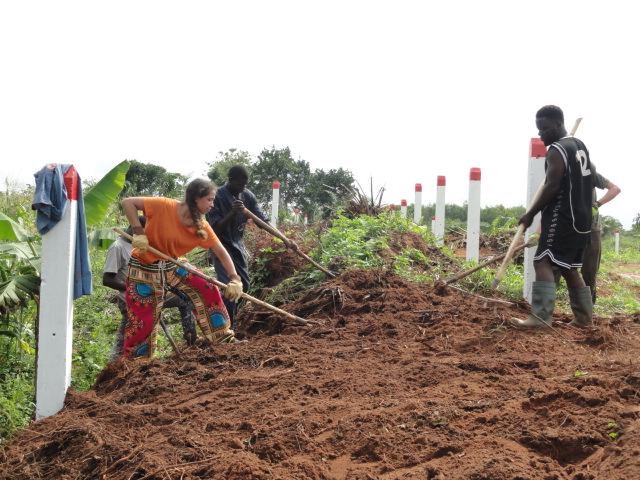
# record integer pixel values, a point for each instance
(393, 207)
(442, 181)
(433, 218)
(537, 148)
(617, 231)
(474, 174)
(296, 211)
(276, 185)
(403, 203)
(418, 187)
(70, 178)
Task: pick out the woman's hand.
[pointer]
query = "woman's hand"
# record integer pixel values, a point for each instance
(141, 243)
(233, 290)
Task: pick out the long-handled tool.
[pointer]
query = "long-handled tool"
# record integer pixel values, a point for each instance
(276, 233)
(521, 227)
(298, 320)
(531, 243)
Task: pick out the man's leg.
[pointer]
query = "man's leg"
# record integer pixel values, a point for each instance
(242, 269)
(180, 301)
(118, 346)
(222, 276)
(543, 297)
(579, 298)
(591, 262)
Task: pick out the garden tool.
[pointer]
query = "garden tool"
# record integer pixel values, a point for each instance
(533, 241)
(276, 233)
(219, 284)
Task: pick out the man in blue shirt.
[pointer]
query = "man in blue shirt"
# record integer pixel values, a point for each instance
(228, 223)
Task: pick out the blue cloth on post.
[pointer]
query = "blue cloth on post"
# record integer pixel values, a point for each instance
(50, 201)
(82, 284)
(50, 196)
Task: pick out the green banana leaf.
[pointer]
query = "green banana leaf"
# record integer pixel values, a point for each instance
(11, 230)
(101, 238)
(21, 250)
(98, 199)
(19, 290)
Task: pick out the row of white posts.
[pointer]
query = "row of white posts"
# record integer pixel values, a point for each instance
(55, 326)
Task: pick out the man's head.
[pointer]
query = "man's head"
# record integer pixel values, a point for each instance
(550, 124)
(237, 179)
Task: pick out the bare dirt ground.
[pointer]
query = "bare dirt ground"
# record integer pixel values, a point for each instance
(398, 381)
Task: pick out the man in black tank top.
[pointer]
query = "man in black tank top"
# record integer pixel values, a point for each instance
(565, 203)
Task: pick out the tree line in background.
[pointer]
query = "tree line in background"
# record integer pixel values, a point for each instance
(317, 193)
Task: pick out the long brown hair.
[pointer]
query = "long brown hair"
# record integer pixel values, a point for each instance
(197, 189)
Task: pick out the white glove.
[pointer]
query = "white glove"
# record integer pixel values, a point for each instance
(141, 243)
(233, 290)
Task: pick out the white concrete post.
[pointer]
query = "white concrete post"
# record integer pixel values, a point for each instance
(438, 230)
(306, 218)
(392, 210)
(536, 176)
(417, 205)
(473, 215)
(55, 322)
(295, 217)
(433, 225)
(403, 208)
(617, 242)
(275, 203)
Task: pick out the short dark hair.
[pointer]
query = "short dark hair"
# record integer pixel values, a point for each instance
(551, 112)
(238, 172)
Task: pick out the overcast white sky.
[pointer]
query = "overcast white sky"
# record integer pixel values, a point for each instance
(398, 92)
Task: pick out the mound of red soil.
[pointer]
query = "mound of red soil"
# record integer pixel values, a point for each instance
(395, 381)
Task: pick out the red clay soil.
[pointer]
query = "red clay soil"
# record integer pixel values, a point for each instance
(398, 381)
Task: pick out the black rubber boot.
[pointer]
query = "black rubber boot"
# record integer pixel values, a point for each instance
(543, 301)
(581, 306)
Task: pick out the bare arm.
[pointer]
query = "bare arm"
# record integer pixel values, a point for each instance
(131, 207)
(612, 192)
(226, 261)
(553, 181)
(110, 280)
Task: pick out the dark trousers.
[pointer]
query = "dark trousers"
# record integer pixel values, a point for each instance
(591, 262)
(242, 269)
